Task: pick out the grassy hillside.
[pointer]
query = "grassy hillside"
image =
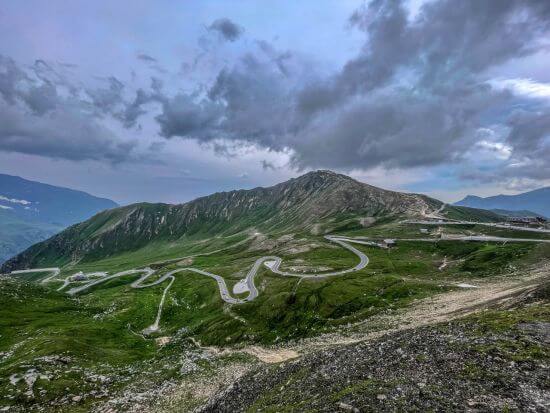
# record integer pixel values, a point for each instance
(315, 202)
(462, 213)
(73, 341)
(492, 361)
(76, 351)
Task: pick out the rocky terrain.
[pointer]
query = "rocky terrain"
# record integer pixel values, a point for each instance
(493, 361)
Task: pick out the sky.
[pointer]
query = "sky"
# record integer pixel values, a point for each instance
(165, 101)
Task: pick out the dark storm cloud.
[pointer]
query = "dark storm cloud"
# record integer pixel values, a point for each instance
(447, 43)
(266, 165)
(10, 76)
(255, 96)
(42, 98)
(529, 130)
(393, 130)
(146, 58)
(182, 115)
(108, 98)
(279, 58)
(414, 95)
(529, 136)
(248, 103)
(43, 114)
(226, 29)
(134, 109)
(66, 134)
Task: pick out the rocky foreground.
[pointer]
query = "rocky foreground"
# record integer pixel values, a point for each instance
(497, 361)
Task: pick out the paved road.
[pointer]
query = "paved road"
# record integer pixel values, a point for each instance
(54, 273)
(479, 238)
(487, 224)
(273, 263)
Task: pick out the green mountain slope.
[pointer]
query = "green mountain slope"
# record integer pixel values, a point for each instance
(314, 202)
(462, 213)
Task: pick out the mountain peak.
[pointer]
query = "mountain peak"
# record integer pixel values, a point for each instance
(322, 177)
(326, 174)
(315, 201)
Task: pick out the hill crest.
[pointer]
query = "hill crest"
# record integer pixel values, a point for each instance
(299, 204)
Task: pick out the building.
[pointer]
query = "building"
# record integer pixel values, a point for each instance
(526, 220)
(388, 243)
(79, 276)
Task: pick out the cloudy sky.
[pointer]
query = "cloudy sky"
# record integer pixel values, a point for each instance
(165, 101)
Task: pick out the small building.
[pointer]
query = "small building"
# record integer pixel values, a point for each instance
(388, 243)
(79, 276)
(526, 220)
(424, 230)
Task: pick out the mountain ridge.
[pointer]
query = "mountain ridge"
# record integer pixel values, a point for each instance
(301, 203)
(33, 211)
(537, 201)
(48, 203)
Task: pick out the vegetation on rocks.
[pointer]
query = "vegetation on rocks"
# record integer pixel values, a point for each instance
(494, 361)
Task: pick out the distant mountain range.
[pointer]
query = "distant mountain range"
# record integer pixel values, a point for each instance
(318, 202)
(537, 201)
(32, 211)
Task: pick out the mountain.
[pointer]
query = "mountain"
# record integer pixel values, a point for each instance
(537, 201)
(16, 234)
(48, 203)
(32, 211)
(315, 202)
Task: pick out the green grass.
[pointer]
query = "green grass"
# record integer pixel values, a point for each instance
(513, 344)
(471, 214)
(100, 329)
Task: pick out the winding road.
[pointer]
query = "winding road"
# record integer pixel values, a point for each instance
(273, 263)
(487, 224)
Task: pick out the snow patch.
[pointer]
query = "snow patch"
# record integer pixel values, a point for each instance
(15, 201)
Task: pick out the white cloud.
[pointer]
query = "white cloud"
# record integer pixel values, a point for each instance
(499, 149)
(523, 87)
(5, 207)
